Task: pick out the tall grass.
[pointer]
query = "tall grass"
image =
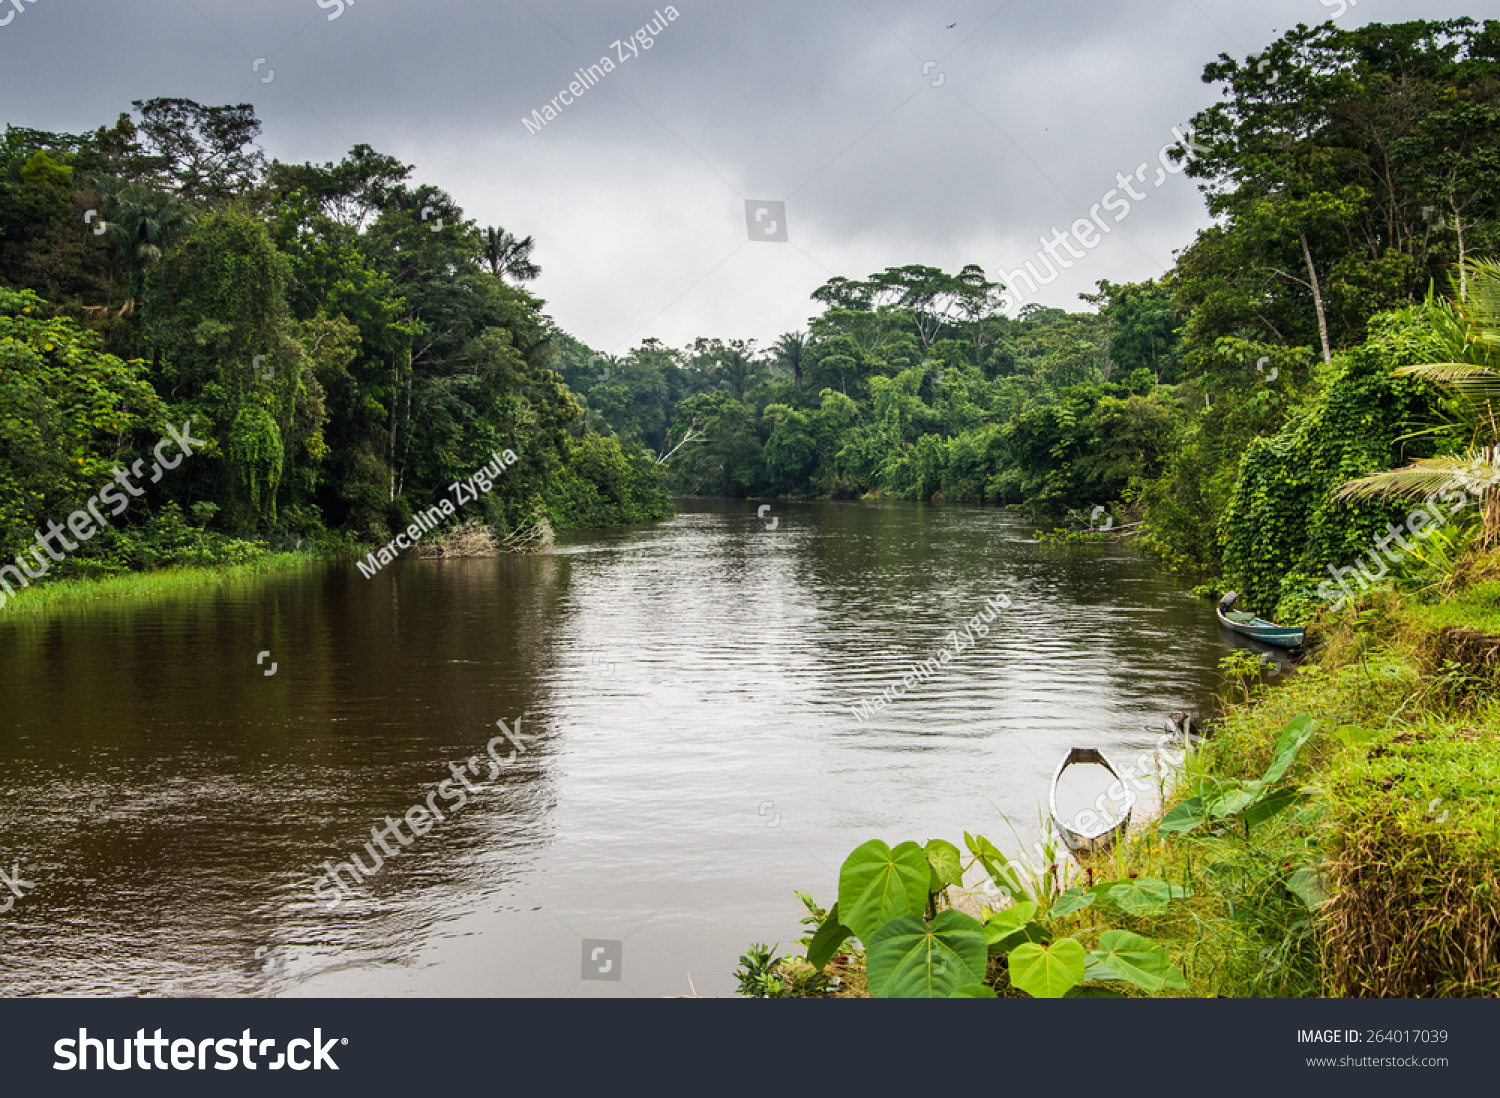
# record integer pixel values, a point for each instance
(46, 597)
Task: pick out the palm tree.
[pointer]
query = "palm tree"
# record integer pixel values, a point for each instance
(141, 224)
(738, 368)
(1472, 329)
(509, 257)
(790, 350)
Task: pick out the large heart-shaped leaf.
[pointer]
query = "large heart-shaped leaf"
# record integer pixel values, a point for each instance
(1072, 901)
(1234, 802)
(1272, 804)
(1184, 817)
(1136, 960)
(946, 863)
(1292, 740)
(1004, 930)
(1143, 896)
(831, 934)
(908, 959)
(1095, 970)
(877, 884)
(1047, 971)
(1293, 737)
(1015, 916)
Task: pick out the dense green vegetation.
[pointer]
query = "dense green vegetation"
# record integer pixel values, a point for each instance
(1351, 173)
(345, 343)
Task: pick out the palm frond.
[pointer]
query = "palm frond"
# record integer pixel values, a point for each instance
(1448, 372)
(1482, 309)
(1480, 466)
(1480, 384)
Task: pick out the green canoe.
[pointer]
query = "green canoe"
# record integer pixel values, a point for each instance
(1268, 632)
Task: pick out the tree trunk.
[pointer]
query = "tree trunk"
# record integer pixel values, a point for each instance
(1463, 274)
(406, 435)
(1312, 274)
(391, 445)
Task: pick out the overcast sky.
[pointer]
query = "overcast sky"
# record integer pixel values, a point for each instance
(942, 133)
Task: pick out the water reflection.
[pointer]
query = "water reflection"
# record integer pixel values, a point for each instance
(697, 758)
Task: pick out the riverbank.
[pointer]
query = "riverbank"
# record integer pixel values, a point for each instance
(472, 539)
(55, 594)
(1381, 877)
(1337, 834)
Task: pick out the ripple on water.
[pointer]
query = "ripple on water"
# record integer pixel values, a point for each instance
(697, 759)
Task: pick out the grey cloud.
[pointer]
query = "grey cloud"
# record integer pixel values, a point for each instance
(636, 192)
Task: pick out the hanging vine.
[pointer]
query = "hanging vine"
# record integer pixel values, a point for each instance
(255, 447)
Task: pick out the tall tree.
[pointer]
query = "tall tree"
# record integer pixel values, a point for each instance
(790, 349)
(141, 225)
(206, 153)
(348, 193)
(1330, 165)
(508, 257)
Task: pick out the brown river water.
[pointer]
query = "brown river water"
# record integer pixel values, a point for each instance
(686, 756)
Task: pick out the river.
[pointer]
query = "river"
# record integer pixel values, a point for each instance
(686, 755)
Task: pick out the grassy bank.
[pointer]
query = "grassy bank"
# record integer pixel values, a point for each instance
(51, 595)
(1337, 834)
(1382, 878)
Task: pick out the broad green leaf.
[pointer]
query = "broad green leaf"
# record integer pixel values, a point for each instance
(1277, 802)
(1001, 940)
(877, 884)
(908, 959)
(1254, 794)
(831, 934)
(1004, 930)
(1293, 737)
(1140, 961)
(1144, 896)
(1071, 901)
(1183, 817)
(997, 866)
(946, 862)
(1231, 804)
(974, 991)
(1015, 916)
(1309, 884)
(1047, 972)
